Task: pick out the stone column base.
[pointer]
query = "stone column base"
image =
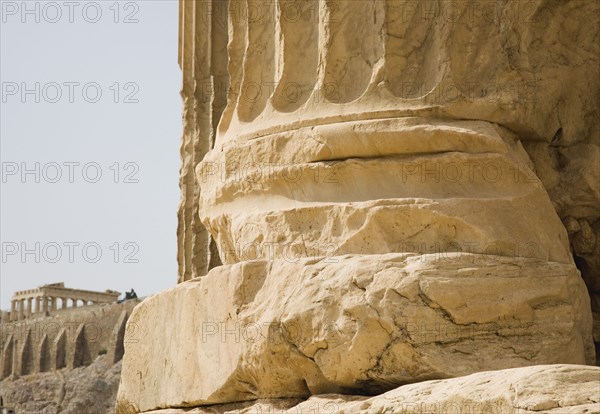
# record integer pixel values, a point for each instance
(354, 324)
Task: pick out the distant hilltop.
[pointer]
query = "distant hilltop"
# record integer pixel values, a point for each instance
(44, 300)
(50, 348)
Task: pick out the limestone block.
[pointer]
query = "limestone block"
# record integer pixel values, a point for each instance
(350, 324)
(558, 389)
(398, 185)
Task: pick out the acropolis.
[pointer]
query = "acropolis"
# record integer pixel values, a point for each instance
(386, 206)
(41, 301)
(56, 337)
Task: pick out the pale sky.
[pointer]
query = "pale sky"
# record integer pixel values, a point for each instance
(106, 81)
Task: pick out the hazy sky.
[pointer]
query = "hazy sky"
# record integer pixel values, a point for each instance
(90, 130)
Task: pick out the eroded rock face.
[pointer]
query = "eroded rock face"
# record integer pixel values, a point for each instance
(571, 176)
(88, 389)
(352, 324)
(558, 389)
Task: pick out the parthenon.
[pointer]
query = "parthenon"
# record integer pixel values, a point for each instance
(38, 302)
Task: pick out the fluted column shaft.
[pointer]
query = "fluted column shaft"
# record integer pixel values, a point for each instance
(21, 309)
(13, 310)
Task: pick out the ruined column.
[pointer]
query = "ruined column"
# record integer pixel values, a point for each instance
(63, 303)
(13, 310)
(21, 304)
(45, 303)
(203, 61)
(362, 131)
(29, 307)
(371, 198)
(38, 305)
(53, 305)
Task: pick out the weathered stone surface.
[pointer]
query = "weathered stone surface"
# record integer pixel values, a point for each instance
(66, 339)
(410, 185)
(530, 67)
(350, 324)
(413, 129)
(67, 362)
(88, 389)
(558, 389)
(571, 174)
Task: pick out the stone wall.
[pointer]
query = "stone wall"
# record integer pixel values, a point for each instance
(68, 338)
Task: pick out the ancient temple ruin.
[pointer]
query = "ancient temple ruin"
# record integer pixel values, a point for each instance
(55, 337)
(40, 301)
(381, 193)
